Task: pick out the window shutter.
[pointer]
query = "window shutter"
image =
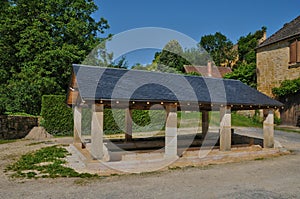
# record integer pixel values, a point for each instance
(298, 51)
(293, 52)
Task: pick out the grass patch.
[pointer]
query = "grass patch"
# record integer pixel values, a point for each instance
(193, 119)
(239, 120)
(7, 141)
(287, 130)
(46, 163)
(19, 114)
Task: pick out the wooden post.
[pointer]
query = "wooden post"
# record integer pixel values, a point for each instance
(268, 129)
(171, 132)
(205, 123)
(97, 131)
(128, 125)
(225, 128)
(77, 124)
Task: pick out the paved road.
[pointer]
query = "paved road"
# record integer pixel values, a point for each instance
(269, 178)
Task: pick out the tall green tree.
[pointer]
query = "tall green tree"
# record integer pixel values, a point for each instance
(39, 41)
(171, 56)
(245, 69)
(247, 45)
(197, 56)
(219, 47)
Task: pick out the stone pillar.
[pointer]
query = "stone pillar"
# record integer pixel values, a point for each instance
(77, 124)
(171, 132)
(128, 125)
(205, 123)
(268, 129)
(225, 128)
(97, 131)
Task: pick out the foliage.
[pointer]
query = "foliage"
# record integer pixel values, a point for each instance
(143, 120)
(287, 87)
(240, 120)
(7, 141)
(171, 56)
(39, 40)
(247, 45)
(57, 117)
(219, 47)
(245, 68)
(246, 73)
(194, 73)
(196, 56)
(2, 105)
(31, 165)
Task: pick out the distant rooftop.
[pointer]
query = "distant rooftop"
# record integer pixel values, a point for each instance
(289, 30)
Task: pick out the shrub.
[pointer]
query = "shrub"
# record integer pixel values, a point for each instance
(2, 105)
(57, 116)
(287, 87)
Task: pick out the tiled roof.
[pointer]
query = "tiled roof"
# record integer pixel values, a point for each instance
(217, 71)
(97, 83)
(289, 30)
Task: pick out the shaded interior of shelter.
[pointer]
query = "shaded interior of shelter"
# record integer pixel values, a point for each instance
(188, 142)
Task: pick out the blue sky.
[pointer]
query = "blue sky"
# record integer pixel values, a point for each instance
(195, 18)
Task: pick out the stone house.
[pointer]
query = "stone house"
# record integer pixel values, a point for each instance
(278, 59)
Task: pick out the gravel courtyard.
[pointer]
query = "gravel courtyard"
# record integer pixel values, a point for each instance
(268, 178)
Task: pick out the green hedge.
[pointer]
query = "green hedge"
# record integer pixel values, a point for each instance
(144, 120)
(57, 117)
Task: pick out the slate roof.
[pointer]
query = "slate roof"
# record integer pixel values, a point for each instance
(217, 71)
(97, 83)
(289, 30)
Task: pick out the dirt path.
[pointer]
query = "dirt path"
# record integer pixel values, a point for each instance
(269, 178)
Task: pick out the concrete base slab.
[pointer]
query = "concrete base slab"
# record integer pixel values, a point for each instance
(155, 161)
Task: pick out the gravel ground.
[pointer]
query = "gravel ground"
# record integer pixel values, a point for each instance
(269, 178)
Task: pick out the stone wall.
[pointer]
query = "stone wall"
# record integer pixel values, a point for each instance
(16, 127)
(273, 67)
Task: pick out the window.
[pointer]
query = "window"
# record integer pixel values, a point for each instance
(295, 51)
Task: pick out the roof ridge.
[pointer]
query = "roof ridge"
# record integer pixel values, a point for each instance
(283, 33)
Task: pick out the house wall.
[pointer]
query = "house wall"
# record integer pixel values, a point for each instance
(273, 67)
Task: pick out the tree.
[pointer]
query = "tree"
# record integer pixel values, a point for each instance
(220, 48)
(246, 73)
(245, 69)
(197, 56)
(247, 45)
(39, 42)
(171, 56)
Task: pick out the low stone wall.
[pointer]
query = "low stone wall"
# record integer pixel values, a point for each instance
(16, 127)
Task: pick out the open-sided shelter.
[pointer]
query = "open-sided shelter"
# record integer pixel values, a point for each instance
(132, 89)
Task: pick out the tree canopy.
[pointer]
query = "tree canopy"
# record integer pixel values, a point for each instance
(220, 48)
(171, 56)
(245, 68)
(39, 41)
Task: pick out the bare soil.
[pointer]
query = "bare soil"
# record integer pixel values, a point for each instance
(268, 178)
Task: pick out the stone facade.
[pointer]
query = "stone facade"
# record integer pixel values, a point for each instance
(273, 66)
(16, 127)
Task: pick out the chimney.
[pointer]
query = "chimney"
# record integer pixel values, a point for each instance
(264, 37)
(209, 68)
